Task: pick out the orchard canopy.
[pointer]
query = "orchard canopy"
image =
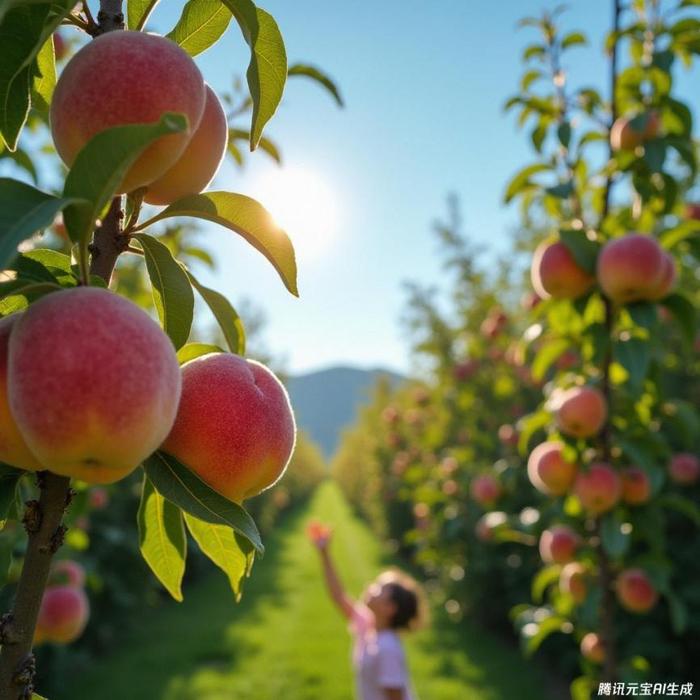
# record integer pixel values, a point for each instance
(381, 309)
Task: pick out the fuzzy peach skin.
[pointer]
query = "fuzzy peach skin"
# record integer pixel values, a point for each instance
(151, 75)
(13, 448)
(196, 167)
(632, 268)
(668, 281)
(592, 648)
(63, 615)
(636, 487)
(93, 382)
(548, 471)
(624, 136)
(581, 411)
(558, 545)
(555, 273)
(572, 581)
(684, 468)
(235, 427)
(635, 591)
(598, 488)
(485, 489)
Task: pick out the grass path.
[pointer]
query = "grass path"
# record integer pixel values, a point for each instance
(284, 640)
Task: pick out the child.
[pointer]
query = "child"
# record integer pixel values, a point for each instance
(391, 603)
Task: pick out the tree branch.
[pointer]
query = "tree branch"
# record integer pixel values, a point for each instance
(110, 17)
(109, 242)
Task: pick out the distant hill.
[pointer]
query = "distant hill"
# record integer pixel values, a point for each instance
(327, 401)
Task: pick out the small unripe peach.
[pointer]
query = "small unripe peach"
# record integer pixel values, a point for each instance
(684, 468)
(598, 488)
(592, 648)
(632, 268)
(624, 135)
(123, 78)
(198, 164)
(93, 383)
(581, 411)
(558, 545)
(63, 614)
(636, 487)
(485, 489)
(555, 272)
(548, 471)
(635, 591)
(572, 581)
(234, 428)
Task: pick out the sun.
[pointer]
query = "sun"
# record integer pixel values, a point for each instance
(303, 203)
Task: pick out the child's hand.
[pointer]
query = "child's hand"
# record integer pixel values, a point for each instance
(319, 534)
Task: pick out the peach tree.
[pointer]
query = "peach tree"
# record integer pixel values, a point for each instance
(614, 449)
(92, 387)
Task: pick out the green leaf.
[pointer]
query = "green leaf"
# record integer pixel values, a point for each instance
(562, 190)
(192, 350)
(655, 155)
(265, 145)
(232, 554)
(24, 29)
(543, 579)
(9, 478)
(634, 355)
(186, 490)
(172, 292)
(584, 250)
(162, 539)
(548, 353)
(529, 426)
(224, 313)
(45, 81)
(201, 25)
(614, 540)
(101, 165)
(24, 211)
(317, 76)
(246, 217)
(678, 612)
(267, 71)
(138, 12)
(682, 505)
(643, 314)
(521, 180)
(545, 628)
(573, 39)
(22, 160)
(582, 688)
(564, 134)
(685, 314)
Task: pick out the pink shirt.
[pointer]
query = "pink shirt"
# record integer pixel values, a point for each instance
(378, 658)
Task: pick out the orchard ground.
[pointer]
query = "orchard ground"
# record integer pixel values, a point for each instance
(284, 640)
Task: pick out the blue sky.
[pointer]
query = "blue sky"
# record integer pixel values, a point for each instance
(424, 85)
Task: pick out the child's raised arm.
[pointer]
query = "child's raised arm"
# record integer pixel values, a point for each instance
(320, 535)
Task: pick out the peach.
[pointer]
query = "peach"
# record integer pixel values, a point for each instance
(668, 279)
(421, 510)
(555, 272)
(632, 268)
(485, 489)
(13, 448)
(599, 488)
(684, 468)
(66, 572)
(692, 211)
(318, 532)
(508, 435)
(488, 524)
(636, 486)
(234, 428)
(198, 164)
(625, 136)
(98, 498)
(581, 411)
(63, 614)
(558, 545)
(548, 471)
(161, 77)
(592, 648)
(59, 46)
(93, 383)
(465, 370)
(635, 591)
(572, 581)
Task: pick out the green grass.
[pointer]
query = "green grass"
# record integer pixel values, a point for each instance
(286, 641)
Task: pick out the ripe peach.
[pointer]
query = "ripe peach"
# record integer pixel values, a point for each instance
(548, 471)
(668, 279)
(234, 427)
(581, 411)
(599, 488)
(635, 591)
(692, 211)
(63, 614)
(13, 448)
(161, 78)
(198, 164)
(66, 572)
(555, 272)
(624, 135)
(684, 468)
(508, 435)
(558, 545)
(485, 489)
(572, 581)
(632, 268)
(636, 487)
(93, 383)
(465, 370)
(98, 498)
(592, 648)
(59, 46)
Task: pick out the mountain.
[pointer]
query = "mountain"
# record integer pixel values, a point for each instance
(326, 401)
